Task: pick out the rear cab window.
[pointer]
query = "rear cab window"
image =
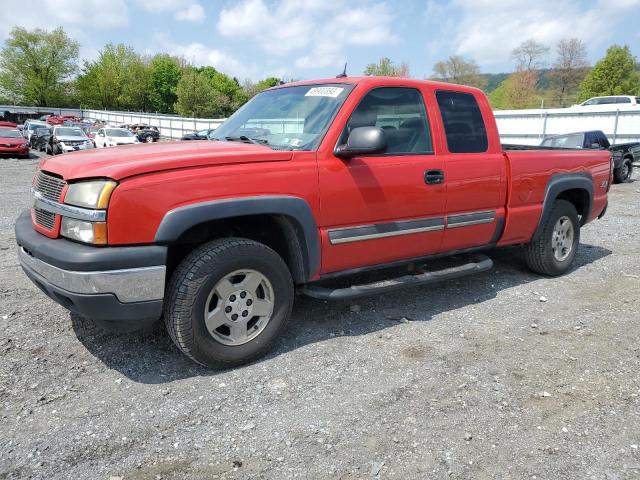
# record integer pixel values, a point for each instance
(464, 126)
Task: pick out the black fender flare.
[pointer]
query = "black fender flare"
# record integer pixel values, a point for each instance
(562, 182)
(179, 220)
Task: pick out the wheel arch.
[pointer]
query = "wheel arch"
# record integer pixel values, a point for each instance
(286, 224)
(576, 188)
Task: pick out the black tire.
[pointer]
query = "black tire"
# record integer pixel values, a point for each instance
(623, 173)
(189, 291)
(539, 254)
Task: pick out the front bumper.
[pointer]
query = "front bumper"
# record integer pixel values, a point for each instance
(74, 148)
(120, 287)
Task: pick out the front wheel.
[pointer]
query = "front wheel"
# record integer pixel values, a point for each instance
(552, 253)
(148, 139)
(228, 301)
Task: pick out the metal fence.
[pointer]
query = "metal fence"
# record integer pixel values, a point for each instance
(170, 126)
(528, 127)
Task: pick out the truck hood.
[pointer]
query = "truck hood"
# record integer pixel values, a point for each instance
(126, 161)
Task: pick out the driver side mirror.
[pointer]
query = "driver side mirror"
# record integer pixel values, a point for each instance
(596, 146)
(363, 141)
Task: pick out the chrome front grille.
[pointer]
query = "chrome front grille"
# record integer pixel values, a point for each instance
(49, 186)
(45, 219)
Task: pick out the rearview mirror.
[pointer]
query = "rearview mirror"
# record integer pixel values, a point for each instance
(363, 141)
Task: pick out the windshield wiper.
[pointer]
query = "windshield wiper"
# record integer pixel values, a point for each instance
(244, 138)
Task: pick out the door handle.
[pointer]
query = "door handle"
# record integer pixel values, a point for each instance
(433, 177)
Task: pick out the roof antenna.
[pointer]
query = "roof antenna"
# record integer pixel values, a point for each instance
(344, 72)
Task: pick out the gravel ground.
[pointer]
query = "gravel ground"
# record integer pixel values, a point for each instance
(503, 375)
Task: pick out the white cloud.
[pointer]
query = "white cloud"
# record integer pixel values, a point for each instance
(184, 10)
(193, 13)
(74, 15)
(487, 31)
(324, 28)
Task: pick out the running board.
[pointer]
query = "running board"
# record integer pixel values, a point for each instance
(481, 263)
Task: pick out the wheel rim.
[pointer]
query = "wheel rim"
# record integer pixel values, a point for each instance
(239, 307)
(562, 239)
(625, 170)
(149, 139)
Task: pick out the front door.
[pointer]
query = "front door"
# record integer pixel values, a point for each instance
(380, 208)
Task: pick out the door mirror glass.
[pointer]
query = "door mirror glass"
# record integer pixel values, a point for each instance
(363, 141)
(596, 146)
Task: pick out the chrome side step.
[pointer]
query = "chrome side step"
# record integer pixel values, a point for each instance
(479, 263)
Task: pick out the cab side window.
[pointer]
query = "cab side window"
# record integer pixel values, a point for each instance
(401, 113)
(463, 123)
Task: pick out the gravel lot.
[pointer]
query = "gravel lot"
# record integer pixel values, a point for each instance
(504, 375)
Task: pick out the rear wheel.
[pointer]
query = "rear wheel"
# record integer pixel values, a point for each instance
(228, 301)
(623, 173)
(148, 139)
(552, 253)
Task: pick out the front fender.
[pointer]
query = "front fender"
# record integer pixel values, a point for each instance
(179, 220)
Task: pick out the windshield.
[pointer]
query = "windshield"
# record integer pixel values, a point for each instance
(118, 132)
(569, 141)
(10, 134)
(69, 132)
(33, 126)
(42, 131)
(287, 118)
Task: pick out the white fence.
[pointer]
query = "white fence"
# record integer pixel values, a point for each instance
(526, 127)
(530, 127)
(170, 126)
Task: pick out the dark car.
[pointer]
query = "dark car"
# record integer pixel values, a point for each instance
(625, 155)
(199, 135)
(39, 138)
(144, 133)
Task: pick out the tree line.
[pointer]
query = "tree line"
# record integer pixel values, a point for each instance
(42, 68)
(569, 79)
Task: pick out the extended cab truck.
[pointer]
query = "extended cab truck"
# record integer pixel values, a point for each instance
(625, 155)
(306, 183)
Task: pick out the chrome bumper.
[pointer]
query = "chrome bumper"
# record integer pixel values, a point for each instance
(128, 285)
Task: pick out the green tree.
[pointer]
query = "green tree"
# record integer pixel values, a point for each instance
(457, 69)
(231, 97)
(386, 68)
(165, 75)
(615, 74)
(251, 89)
(197, 97)
(114, 80)
(569, 69)
(36, 66)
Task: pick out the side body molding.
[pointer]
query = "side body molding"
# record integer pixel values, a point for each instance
(178, 221)
(561, 183)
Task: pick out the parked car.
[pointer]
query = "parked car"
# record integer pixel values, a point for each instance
(144, 133)
(30, 126)
(91, 133)
(217, 236)
(13, 143)
(625, 155)
(112, 137)
(612, 102)
(67, 139)
(60, 119)
(7, 124)
(199, 135)
(40, 138)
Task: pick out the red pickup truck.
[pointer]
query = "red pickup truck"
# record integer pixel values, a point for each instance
(308, 183)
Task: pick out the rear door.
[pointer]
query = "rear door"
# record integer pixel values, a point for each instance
(475, 171)
(379, 208)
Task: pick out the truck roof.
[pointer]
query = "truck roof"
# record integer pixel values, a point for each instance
(373, 81)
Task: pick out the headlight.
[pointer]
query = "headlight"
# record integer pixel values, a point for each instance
(82, 231)
(91, 194)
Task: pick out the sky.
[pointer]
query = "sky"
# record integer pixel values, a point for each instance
(303, 39)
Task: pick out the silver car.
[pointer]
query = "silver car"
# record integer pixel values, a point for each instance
(68, 139)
